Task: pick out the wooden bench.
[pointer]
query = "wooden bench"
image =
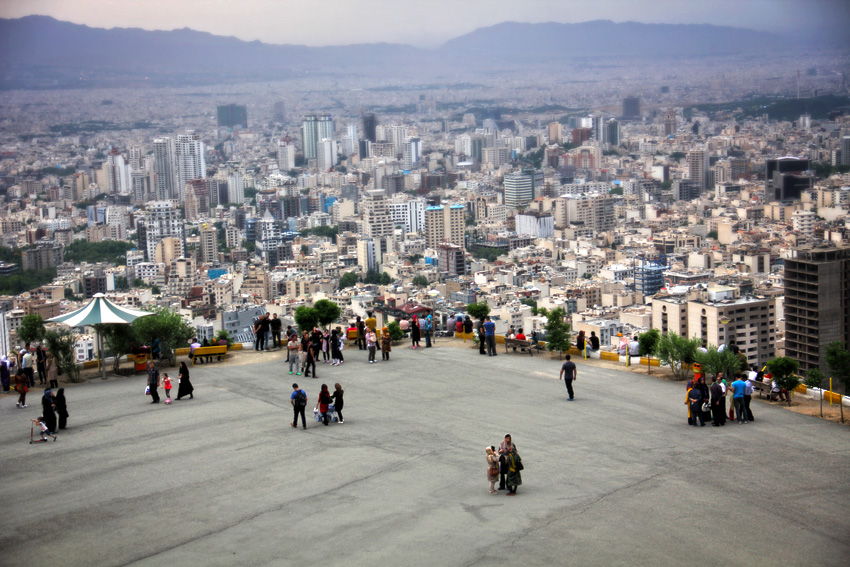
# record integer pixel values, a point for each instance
(762, 387)
(200, 352)
(521, 344)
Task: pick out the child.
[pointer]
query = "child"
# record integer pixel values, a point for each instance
(166, 385)
(42, 430)
(492, 468)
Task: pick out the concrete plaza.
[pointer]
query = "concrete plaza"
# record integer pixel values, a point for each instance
(615, 477)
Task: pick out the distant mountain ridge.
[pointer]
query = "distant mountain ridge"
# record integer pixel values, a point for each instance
(43, 51)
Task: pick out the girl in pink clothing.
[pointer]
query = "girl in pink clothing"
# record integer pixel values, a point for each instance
(166, 385)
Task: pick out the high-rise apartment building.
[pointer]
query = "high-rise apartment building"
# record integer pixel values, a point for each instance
(409, 214)
(670, 122)
(285, 155)
(817, 303)
(370, 125)
(162, 220)
(236, 188)
(326, 152)
(209, 244)
(786, 178)
(412, 153)
(451, 259)
(631, 107)
(314, 129)
(612, 133)
(377, 219)
(520, 187)
(164, 169)
(686, 189)
(190, 160)
(698, 167)
(845, 150)
(444, 223)
(232, 115)
(117, 173)
(556, 133)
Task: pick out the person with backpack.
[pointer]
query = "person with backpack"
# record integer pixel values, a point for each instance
(298, 399)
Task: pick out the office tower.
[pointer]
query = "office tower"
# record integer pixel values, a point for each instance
(352, 132)
(556, 133)
(786, 178)
(190, 161)
(279, 112)
(398, 134)
(236, 188)
(285, 155)
(196, 199)
(463, 145)
(117, 173)
(268, 235)
(141, 188)
(164, 168)
(444, 223)
(817, 303)
(631, 107)
(496, 156)
(845, 150)
(686, 189)
(364, 149)
(412, 154)
(232, 115)
(314, 129)
(739, 168)
(612, 133)
(451, 259)
(366, 257)
(162, 220)
(698, 167)
(670, 123)
(377, 219)
(477, 144)
(136, 159)
(326, 154)
(209, 244)
(598, 126)
(581, 135)
(347, 146)
(370, 125)
(520, 187)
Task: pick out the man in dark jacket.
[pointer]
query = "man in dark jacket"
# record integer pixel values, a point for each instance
(717, 409)
(153, 382)
(276, 325)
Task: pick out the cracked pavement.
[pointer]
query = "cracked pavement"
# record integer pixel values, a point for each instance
(614, 478)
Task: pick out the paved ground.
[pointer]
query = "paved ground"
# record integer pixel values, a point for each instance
(613, 478)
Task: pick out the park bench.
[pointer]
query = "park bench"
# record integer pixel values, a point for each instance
(518, 343)
(762, 387)
(217, 350)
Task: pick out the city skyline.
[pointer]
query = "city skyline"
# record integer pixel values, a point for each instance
(379, 21)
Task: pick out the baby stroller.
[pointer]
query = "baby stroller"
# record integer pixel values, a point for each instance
(332, 416)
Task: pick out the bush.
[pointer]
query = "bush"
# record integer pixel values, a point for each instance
(224, 334)
(784, 372)
(61, 344)
(557, 331)
(395, 331)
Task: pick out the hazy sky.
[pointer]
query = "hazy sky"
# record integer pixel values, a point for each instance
(418, 22)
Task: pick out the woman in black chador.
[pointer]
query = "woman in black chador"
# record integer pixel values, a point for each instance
(48, 410)
(185, 388)
(61, 408)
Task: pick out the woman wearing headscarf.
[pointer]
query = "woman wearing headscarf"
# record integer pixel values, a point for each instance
(52, 371)
(514, 478)
(21, 382)
(386, 343)
(61, 408)
(492, 468)
(323, 402)
(333, 343)
(414, 332)
(48, 409)
(184, 385)
(505, 447)
(5, 373)
(338, 401)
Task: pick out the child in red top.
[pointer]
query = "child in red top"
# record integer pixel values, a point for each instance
(166, 385)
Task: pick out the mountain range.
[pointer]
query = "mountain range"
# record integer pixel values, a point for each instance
(39, 51)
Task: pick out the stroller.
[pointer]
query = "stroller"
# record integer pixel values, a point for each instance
(42, 430)
(332, 416)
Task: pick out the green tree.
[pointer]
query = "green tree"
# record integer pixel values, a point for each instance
(155, 289)
(61, 343)
(165, 325)
(557, 331)
(306, 318)
(712, 234)
(304, 249)
(121, 283)
(26, 281)
(224, 335)
(32, 328)
(531, 303)
(648, 346)
(714, 361)
(118, 340)
(112, 251)
(814, 379)
(69, 294)
(678, 352)
(838, 362)
(478, 310)
(784, 370)
(385, 279)
(327, 311)
(347, 280)
(420, 281)
(395, 331)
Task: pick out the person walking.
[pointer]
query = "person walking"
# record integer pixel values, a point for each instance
(61, 408)
(309, 355)
(184, 385)
(276, 325)
(40, 363)
(22, 386)
(338, 401)
(293, 349)
(5, 374)
(505, 447)
(298, 399)
(341, 340)
(716, 393)
(739, 388)
(386, 343)
(513, 478)
(48, 410)
(371, 344)
(166, 385)
(153, 382)
(569, 373)
(490, 335)
(482, 339)
(492, 468)
(414, 332)
(50, 367)
(323, 402)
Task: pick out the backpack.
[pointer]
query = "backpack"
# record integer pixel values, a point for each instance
(300, 398)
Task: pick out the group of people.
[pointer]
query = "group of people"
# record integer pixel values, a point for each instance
(164, 381)
(505, 466)
(298, 399)
(708, 403)
(53, 406)
(23, 365)
(302, 352)
(267, 328)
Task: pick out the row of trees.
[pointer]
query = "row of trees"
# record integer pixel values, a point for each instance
(322, 313)
(557, 326)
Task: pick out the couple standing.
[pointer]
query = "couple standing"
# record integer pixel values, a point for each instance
(504, 467)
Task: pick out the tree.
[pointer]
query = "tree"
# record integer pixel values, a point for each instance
(224, 335)
(155, 289)
(678, 352)
(326, 311)
(420, 281)
(306, 318)
(814, 379)
(304, 249)
(396, 333)
(648, 346)
(557, 331)
(32, 328)
(714, 361)
(119, 339)
(385, 279)
(712, 234)
(165, 325)
(838, 361)
(784, 372)
(61, 343)
(347, 280)
(478, 310)
(121, 283)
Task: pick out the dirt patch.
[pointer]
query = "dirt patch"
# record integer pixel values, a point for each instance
(808, 406)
